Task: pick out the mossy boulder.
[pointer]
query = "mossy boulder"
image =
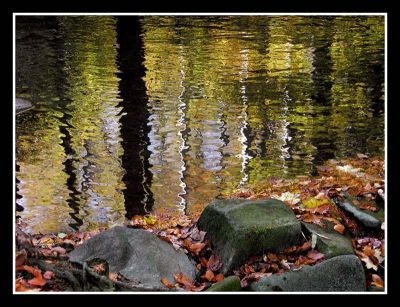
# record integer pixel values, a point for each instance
(241, 228)
(329, 242)
(229, 284)
(136, 254)
(342, 273)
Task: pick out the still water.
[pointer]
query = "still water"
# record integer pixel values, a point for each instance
(166, 113)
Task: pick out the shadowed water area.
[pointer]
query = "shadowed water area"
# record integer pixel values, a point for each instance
(167, 113)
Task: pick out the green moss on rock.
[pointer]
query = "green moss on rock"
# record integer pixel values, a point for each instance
(241, 228)
(229, 284)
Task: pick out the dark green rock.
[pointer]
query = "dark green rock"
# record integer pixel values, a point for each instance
(329, 242)
(241, 228)
(231, 283)
(342, 273)
(137, 254)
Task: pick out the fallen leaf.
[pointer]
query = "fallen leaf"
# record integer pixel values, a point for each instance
(48, 275)
(59, 250)
(167, 283)
(150, 220)
(339, 228)
(184, 280)
(369, 264)
(214, 264)
(219, 277)
(322, 209)
(313, 254)
(306, 246)
(377, 281)
(366, 206)
(61, 235)
(272, 257)
(314, 203)
(209, 275)
(195, 248)
(20, 257)
(20, 285)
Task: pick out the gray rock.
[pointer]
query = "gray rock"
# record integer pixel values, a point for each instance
(229, 284)
(136, 254)
(241, 228)
(342, 273)
(331, 243)
(367, 219)
(22, 105)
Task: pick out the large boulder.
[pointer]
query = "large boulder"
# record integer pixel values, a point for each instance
(137, 254)
(240, 228)
(229, 284)
(328, 241)
(341, 273)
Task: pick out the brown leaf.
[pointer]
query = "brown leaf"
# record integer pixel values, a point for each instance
(59, 250)
(322, 209)
(209, 275)
(377, 281)
(21, 285)
(167, 283)
(37, 280)
(219, 277)
(183, 280)
(306, 246)
(20, 258)
(313, 254)
(272, 257)
(310, 218)
(339, 228)
(48, 275)
(366, 206)
(214, 264)
(195, 248)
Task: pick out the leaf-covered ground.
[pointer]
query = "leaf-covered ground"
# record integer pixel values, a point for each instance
(311, 198)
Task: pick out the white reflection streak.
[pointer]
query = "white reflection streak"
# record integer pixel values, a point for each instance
(242, 138)
(182, 124)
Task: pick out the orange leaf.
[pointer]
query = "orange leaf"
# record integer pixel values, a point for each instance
(194, 248)
(377, 281)
(37, 280)
(184, 280)
(322, 209)
(167, 283)
(219, 277)
(20, 285)
(339, 228)
(209, 275)
(366, 206)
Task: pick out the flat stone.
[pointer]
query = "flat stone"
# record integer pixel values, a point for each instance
(22, 105)
(342, 273)
(229, 284)
(366, 218)
(137, 254)
(241, 228)
(329, 242)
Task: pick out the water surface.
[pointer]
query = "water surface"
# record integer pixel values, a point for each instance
(135, 114)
